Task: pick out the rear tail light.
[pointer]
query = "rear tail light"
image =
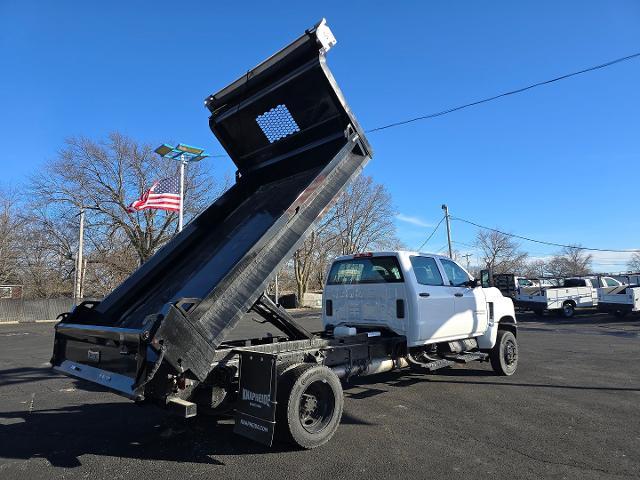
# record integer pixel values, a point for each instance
(328, 308)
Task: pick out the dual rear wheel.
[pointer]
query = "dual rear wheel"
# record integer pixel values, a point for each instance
(310, 404)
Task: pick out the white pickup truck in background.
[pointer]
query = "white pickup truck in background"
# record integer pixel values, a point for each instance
(620, 299)
(565, 299)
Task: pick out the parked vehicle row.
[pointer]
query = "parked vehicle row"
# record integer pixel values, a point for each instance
(565, 296)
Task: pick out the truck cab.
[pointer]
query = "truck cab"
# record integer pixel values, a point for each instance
(428, 298)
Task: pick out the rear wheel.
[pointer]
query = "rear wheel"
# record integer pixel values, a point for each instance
(538, 312)
(310, 403)
(504, 354)
(568, 310)
(620, 313)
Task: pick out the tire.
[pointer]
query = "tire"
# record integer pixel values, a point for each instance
(504, 354)
(538, 312)
(568, 310)
(620, 313)
(310, 404)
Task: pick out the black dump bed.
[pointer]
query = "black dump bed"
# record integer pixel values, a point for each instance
(287, 127)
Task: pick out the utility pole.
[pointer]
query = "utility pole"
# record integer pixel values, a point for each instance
(446, 216)
(79, 260)
(466, 256)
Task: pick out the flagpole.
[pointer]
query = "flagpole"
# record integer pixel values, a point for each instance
(183, 162)
(184, 154)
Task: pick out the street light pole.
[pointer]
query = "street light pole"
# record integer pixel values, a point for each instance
(78, 284)
(184, 154)
(183, 162)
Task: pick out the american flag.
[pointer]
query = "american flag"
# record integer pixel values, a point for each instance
(163, 195)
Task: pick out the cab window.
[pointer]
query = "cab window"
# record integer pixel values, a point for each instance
(426, 271)
(365, 270)
(457, 276)
(612, 282)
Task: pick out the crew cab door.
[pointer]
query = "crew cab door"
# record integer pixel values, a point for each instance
(470, 311)
(435, 301)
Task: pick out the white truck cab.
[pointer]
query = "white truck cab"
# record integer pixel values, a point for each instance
(429, 299)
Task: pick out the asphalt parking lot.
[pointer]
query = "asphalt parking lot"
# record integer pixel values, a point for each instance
(571, 411)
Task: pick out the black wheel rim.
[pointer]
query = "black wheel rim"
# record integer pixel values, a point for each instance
(317, 405)
(568, 310)
(510, 352)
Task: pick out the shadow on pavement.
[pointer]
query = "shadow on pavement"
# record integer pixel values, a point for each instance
(465, 375)
(13, 376)
(63, 435)
(580, 318)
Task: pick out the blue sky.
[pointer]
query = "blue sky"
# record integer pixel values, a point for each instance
(559, 163)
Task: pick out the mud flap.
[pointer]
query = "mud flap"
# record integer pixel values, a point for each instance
(256, 407)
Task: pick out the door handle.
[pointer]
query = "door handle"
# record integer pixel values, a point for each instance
(424, 294)
(458, 294)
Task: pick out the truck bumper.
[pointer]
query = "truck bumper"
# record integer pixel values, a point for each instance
(112, 357)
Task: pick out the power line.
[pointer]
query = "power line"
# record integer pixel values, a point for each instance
(432, 234)
(505, 94)
(465, 244)
(553, 244)
(495, 97)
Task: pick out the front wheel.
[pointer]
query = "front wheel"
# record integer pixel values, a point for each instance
(568, 310)
(504, 354)
(310, 404)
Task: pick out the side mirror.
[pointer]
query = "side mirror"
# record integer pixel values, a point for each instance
(486, 279)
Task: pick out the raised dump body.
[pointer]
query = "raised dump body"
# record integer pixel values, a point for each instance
(287, 127)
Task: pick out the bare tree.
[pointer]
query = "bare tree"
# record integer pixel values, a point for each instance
(634, 263)
(104, 177)
(570, 262)
(500, 253)
(535, 269)
(10, 228)
(362, 218)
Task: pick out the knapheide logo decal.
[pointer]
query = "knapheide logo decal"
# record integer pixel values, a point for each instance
(261, 398)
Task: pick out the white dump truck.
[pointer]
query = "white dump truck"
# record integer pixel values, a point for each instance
(162, 337)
